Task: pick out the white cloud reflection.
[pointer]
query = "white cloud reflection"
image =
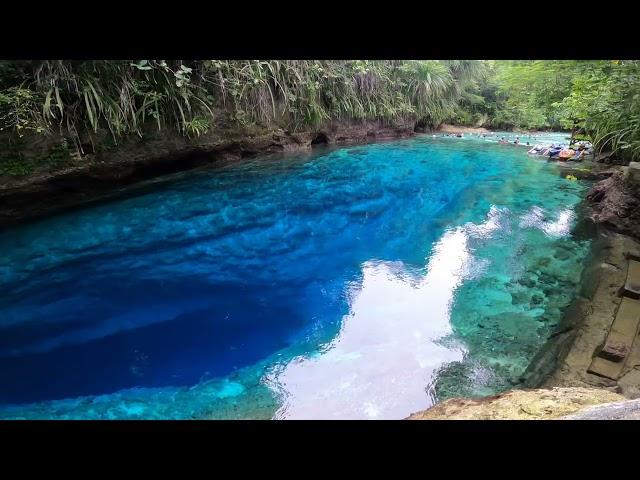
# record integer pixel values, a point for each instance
(561, 227)
(385, 354)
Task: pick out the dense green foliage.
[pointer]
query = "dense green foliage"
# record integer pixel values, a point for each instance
(601, 99)
(81, 99)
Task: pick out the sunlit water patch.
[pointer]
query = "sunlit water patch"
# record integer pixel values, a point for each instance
(363, 282)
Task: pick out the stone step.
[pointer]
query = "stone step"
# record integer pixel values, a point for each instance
(605, 368)
(632, 285)
(627, 318)
(610, 361)
(617, 347)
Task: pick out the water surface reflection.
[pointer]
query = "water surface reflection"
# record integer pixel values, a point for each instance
(387, 351)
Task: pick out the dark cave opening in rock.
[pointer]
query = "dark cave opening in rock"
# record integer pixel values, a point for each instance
(320, 139)
(421, 126)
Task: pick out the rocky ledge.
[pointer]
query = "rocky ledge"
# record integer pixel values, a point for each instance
(539, 404)
(616, 199)
(626, 410)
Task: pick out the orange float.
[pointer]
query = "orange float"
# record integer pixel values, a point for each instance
(566, 154)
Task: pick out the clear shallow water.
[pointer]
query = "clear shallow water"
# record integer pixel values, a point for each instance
(364, 282)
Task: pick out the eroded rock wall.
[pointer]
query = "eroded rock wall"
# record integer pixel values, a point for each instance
(615, 200)
(103, 173)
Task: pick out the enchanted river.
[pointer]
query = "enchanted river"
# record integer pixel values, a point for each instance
(366, 282)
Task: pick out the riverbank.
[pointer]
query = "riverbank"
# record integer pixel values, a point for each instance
(447, 128)
(598, 309)
(536, 404)
(102, 174)
(612, 203)
(557, 382)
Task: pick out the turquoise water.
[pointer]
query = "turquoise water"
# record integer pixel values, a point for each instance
(361, 282)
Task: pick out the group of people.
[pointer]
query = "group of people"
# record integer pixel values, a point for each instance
(515, 142)
(563, 152)
(574, 152)
(488, 136)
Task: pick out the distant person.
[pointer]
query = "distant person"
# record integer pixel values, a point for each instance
(579, 155)
(555, 151)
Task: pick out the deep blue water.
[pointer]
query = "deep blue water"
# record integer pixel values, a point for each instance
(362, 282)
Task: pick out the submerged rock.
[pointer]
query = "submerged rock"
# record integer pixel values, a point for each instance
(540, 404)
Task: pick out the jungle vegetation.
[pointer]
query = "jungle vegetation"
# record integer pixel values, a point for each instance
(78, 99)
